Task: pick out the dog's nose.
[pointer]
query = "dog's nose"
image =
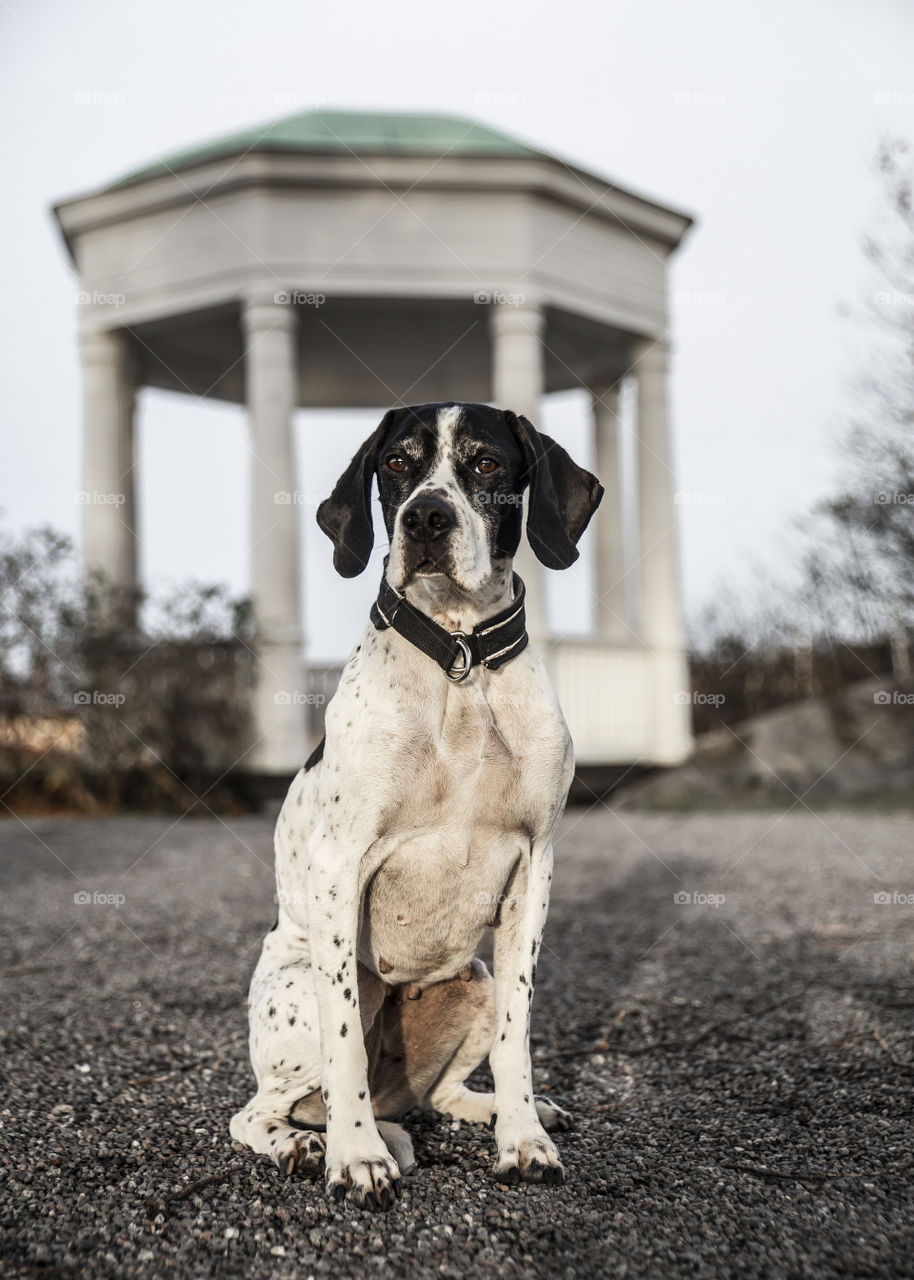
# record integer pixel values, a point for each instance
(427, 518)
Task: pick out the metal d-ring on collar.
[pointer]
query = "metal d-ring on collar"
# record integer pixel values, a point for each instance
(495, 641)
(461, 673)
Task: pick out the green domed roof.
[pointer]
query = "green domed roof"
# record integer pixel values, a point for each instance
(351, 132)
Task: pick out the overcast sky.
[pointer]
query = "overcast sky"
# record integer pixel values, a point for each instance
(761, 121)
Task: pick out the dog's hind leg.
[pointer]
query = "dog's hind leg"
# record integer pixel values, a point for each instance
(450, 1095)
(264, 1126)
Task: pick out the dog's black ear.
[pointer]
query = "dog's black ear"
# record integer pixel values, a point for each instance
(345, 516)
(563, 496)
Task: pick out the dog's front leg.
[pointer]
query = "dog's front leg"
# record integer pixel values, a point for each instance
(358, 1163)
(525, 1152)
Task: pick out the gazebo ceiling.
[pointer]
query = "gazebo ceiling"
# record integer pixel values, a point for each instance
(362, 352)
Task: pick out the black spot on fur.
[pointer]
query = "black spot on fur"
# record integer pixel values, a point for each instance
(343, 1029)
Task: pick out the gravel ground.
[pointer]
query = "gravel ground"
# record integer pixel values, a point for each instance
(740, 1070)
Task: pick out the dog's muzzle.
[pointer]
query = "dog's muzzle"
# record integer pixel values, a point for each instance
(427, 523)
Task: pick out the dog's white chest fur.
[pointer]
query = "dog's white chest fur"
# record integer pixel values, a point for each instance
(466, 809)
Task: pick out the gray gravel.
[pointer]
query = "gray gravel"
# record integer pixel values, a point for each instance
(740, 1070)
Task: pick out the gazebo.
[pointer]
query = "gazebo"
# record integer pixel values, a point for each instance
(347, 259)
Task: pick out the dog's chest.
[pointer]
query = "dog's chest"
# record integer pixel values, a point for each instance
(446, 878)
(427, 905)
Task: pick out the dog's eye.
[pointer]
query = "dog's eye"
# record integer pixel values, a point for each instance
(396, 463)
(485, 466)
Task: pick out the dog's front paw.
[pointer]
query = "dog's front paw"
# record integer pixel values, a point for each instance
(370, 1179)
(532, 1159)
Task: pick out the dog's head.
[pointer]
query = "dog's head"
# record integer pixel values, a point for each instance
(452, 479)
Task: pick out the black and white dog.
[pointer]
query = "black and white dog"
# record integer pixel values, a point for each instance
(426, 815)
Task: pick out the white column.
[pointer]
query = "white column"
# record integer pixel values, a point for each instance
(517, 384)
(279, 692)
(109, 534)
(610, 606)
(660, 607)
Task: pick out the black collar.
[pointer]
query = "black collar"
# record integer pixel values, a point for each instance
(493, 642)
